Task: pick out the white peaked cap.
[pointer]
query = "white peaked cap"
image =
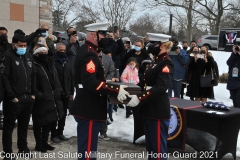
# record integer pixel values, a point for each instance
(97, 27)
(158, 37)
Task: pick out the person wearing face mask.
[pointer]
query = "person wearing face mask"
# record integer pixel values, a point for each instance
(64, 71)
(90, 103)
(179, 59)
(198, 66)
(130, 75)
(19, 86)
(49, 42)
(115, 44)
(48, 106)
(233, 82)
(4, 45)
(154, 102)
(138, 53)
(185, 45)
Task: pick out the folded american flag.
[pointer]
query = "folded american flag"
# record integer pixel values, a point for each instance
(216, 105)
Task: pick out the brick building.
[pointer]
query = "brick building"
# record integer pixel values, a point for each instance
(27, 15)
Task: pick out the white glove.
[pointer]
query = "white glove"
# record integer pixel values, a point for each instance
(134, 101)
(122, 93)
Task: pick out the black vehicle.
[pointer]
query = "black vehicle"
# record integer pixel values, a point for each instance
(61, 34)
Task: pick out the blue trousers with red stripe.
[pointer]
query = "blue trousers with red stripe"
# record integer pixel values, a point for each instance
(156, 134)
(87, 138)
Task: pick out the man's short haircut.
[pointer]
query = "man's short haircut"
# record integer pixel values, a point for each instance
(69, 28)
(44, 25)
(60, 44)
(184, 42)
(3, 28)
(193, 41)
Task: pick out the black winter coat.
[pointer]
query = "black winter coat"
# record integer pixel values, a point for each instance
(4, 46)
(65, 76)
(48, 105)
(1, 83)
(117, 48)
(233, 82)
(1, 88)
(195, 70)
(18, 75)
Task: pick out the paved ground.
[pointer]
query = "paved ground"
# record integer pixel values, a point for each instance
(108, 150)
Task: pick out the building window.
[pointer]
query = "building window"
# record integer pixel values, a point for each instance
(16, 12)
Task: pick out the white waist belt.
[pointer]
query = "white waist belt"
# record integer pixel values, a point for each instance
(80, 86)
(148, 87)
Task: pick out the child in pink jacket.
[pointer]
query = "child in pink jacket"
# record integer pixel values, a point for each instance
(130, 73)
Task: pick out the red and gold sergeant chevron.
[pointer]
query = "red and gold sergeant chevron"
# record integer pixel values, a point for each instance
(90, 67)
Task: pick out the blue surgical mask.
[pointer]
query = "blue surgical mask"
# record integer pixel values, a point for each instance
(137, 48)
(45, 34)
(21, 51)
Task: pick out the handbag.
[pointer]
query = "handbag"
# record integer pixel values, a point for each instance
(209, 80)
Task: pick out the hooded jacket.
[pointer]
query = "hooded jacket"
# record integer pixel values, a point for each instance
(48, 105)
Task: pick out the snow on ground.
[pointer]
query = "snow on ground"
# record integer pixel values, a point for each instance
(122, 128)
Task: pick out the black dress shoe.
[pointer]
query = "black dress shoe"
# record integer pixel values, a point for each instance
(48, 147)
(63, 138)
(40, 149)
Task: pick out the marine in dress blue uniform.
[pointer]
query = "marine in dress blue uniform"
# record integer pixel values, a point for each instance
(89, 106)
(154, 102)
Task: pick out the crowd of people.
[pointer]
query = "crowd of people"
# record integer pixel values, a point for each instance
(39, 76)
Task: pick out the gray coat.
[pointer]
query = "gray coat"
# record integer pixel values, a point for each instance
(71, 52)
(108, 66)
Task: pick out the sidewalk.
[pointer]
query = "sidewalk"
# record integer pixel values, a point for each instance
(107, 150)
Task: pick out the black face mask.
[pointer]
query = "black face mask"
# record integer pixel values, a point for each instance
(154, 50)
(3, 38)
(185, 48)
(203, 52)
(43, 56)
(61, 54)
(103, 42)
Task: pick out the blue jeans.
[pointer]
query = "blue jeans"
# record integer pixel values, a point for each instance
(175, 86)
(87, 137)
(110, 109)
